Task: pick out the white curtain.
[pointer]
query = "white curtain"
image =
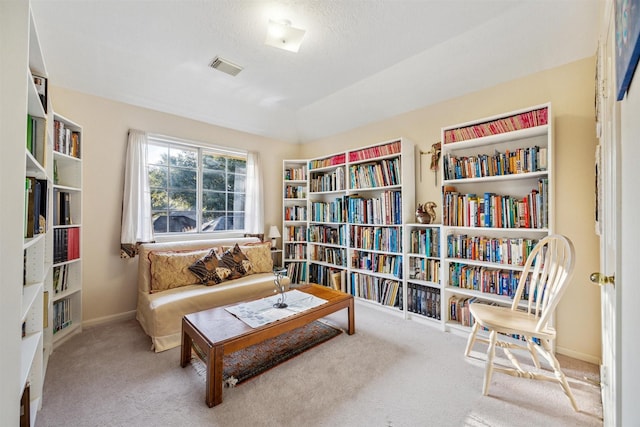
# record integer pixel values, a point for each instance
(254, 205)
(136, 201)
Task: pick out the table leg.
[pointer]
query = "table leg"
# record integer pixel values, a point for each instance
(352, 321)
(214, 376)
(185, 350)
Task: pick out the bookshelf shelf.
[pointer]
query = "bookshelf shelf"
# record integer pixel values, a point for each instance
(498, 202)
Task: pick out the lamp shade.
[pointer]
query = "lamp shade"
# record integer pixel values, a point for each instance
(274, 232)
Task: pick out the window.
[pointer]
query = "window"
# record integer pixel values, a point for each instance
(195, 189)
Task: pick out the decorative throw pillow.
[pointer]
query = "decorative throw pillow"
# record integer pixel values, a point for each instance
(236, 261)
(259, 255)
(170, 269)
(208, 270)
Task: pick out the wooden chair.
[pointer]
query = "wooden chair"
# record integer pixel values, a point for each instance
(544, 278)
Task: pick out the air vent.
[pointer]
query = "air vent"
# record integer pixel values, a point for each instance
(225, 66)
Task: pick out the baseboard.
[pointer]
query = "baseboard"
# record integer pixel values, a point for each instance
(577, 355)
(109, 319)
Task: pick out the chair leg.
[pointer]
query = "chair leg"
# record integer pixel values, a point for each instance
(548, 353)
(491, 351)
(532, 351)
(472, 339)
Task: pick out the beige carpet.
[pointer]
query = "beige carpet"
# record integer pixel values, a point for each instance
(392, 372)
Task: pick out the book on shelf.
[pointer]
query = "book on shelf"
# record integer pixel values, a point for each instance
(41, 84)
(66, 140)
(35, 206)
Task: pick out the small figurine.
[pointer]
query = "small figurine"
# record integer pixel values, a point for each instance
(426, 213)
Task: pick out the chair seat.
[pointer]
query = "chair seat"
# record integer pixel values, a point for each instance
(503, 319)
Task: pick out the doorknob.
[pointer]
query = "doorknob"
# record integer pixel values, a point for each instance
(601, 279)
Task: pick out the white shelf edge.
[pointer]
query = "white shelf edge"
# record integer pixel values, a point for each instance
(29, 346)
(29, 295)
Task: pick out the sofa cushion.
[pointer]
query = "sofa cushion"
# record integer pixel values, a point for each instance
(170, 269)
(259, 255)
(208, 269)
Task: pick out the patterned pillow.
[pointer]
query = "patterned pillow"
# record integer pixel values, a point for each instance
(208, 269)
(170, 269)
(236, 261)
(259, 255)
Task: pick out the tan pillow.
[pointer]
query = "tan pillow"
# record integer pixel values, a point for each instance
(170, 269)
(259, 255)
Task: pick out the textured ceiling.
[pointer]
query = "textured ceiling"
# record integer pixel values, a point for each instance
(361, 60)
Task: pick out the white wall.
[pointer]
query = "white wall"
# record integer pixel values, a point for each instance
(109, 283)
(570, 89)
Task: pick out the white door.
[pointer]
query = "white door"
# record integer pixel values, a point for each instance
(609, 222)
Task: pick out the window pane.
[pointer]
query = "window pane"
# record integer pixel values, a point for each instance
(182, 178)
(159, 199)
(213, 180)
(182, 200)
(236, 183)
(158, 176)
(157, 154)
(213, 161)
(159, 222)
(236, 201)
(237, 165)
(183, 157)
(183, 221)
(213, 201)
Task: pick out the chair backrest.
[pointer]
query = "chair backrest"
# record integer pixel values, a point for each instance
(546, 273)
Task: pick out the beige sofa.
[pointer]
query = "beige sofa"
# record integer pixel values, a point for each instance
(160, 312)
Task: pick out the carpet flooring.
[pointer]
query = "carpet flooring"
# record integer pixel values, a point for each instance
(252, 361)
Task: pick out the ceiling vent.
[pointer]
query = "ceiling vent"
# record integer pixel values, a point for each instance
(225, 66)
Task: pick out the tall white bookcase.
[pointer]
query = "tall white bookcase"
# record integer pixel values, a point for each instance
(27, 230)
(498, 201)
(294, 219)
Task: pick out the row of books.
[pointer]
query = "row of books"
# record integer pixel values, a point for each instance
(36, 137)
(297, 272)
(377, 151)
(377, 263)
(386, 239)
(66, 140)
(295, 174)
(498, 211)
(424, 269)
(295, 251)
(333, 211)
(331, 181)
(338, 159)
(373, 288)
(423, 300)
(62, 315)
(500, 250)
(483, 279)
(295, 213)
(66, 244)
(295, 191)
(494, 127)
(327, 234)
(425, 241)
(385, 209)
(35, 199)
(522, 160)
(321, 274)
(336, 256)
(61, 278)
(376, 174)
(294, 233)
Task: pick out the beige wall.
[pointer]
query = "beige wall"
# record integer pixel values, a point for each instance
(570, 89)
(109, 283)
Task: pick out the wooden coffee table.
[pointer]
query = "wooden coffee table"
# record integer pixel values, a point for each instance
(217, 332)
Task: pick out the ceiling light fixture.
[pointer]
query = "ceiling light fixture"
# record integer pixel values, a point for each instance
(282, 35)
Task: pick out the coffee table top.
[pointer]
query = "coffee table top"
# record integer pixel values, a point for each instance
(217, 325)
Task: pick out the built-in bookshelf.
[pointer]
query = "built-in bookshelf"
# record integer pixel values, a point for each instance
(422, 274)
(357, 203)
(67, 229)
(294, 219)
(327, 229)
(497, 186)
(29, 228)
